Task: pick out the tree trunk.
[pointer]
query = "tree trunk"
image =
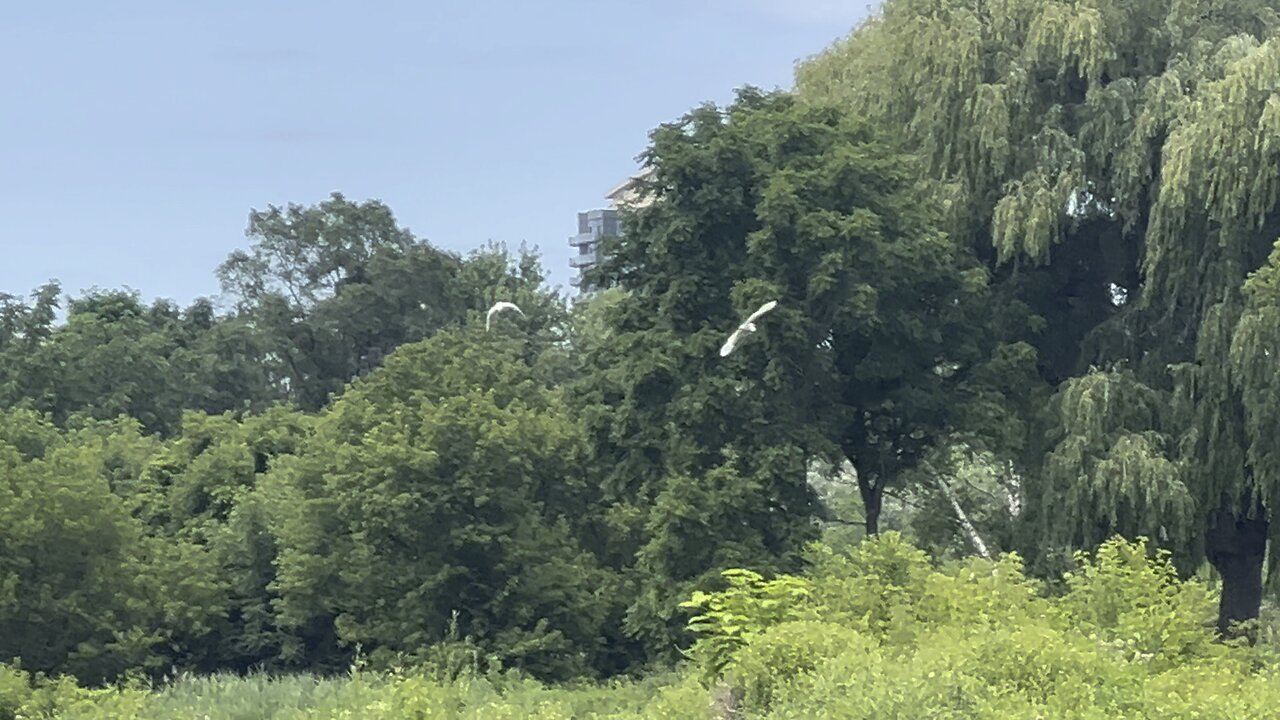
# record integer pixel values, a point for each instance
(870, 487)
(872, 499)
(974, 538)
(1237, 545)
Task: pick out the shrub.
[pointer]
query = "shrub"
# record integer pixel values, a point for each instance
(788, 652)
(1133, 599)
(730, 618)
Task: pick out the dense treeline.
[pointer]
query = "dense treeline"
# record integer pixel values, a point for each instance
(150, 503)
(1024, 254)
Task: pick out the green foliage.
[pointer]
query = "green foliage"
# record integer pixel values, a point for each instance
(202, 500)
(1109, 468)
(1115, 165)
(732, 617)
(336, 287)
(787, 652)
(972, 639)
(73, 566)
(990, 492)
(878, 632)
(448, 480)
(704, 458)
(24, 696)
(863, 586)
(15, 691)
(360, 694)
(116, 356)
(1026, 263)
(1135, 601)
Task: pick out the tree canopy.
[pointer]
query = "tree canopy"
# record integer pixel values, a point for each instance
(1115, 164)
(768, 199)
(445, 487)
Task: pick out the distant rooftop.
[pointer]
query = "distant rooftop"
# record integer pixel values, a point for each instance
(625, 192)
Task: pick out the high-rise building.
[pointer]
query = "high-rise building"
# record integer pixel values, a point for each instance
(625, 193)
(592, 226)
(596, 224)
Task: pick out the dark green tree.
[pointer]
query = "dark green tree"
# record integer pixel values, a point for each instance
(705, 457)
(84, 590)
(116, 356)
(1115, 164)
(334, 288)
(450, 480)
(201, 492)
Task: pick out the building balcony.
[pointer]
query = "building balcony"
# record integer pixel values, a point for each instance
(584, 261)
(583, 268)
(583, 239)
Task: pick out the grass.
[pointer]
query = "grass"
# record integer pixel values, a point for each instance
(368, 695)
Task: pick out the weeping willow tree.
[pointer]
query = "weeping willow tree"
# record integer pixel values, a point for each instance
(1117, 165)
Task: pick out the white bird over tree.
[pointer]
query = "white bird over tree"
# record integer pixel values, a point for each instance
(748, 326)
(499, 307)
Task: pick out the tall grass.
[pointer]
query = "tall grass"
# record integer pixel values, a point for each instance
(875, 632)
(361, 695)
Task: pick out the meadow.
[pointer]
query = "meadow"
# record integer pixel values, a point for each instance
(874, 631)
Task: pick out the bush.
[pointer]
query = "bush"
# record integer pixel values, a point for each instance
(15, 691)
(877, 632)
(1134, 600)
(789, 652)
(730, 618)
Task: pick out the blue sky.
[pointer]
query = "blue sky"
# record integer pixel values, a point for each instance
(136, 136)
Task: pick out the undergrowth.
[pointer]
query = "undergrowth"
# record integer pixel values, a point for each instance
(875, 632)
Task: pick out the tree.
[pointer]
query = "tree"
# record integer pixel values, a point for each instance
(116, 356)
(494, 273)
(1114, 163)
(77, 574)
(445, 486)
(23, 326)
(201, 492)
(334, 288)
(705, 457)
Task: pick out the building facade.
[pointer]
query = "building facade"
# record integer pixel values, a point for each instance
(592, 226)
(596, 224)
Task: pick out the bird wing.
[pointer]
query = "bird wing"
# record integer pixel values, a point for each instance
(729, 344)
(735, 338)
(763, 309)
(747, 326)
(498, 307)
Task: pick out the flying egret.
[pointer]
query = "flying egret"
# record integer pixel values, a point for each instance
(748, 326)
(499, 307)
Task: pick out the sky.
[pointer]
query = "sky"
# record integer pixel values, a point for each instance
(136, 136)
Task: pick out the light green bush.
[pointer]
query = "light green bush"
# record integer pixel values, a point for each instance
(882, 633)
(788, 652)
(15, 691)
(1135, 601)
(749, 606)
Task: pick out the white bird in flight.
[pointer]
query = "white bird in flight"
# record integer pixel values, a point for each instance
(499, 307)
(748, 326)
